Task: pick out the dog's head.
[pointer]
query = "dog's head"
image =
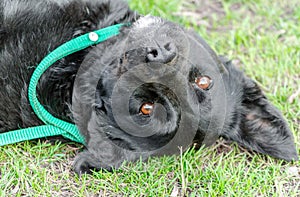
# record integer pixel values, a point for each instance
(158, 86)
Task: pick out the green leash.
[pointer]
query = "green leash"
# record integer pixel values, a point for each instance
(54, 126)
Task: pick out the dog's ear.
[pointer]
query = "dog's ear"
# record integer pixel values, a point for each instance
(260, 126)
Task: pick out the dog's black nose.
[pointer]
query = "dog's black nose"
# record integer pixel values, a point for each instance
(163, 53)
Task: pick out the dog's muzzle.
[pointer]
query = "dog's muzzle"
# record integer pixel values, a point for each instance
(162, 53)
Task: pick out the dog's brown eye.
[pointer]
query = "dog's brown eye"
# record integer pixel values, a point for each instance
(147, 108)
(203, 82)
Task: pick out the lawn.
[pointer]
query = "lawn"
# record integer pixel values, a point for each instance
(263, 39)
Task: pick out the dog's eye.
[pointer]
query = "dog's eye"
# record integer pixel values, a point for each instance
(204, 82)
(147, 108)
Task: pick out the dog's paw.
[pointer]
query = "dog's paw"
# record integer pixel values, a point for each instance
(81, 164)
(86, 163)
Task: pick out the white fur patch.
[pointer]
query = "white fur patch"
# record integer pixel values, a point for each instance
(147, 21)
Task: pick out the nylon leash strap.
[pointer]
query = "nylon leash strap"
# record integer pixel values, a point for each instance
(54, 126)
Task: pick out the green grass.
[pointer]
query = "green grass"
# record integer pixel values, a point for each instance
(263, 39)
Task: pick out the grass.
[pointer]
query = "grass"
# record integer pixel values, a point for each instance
(263, 39)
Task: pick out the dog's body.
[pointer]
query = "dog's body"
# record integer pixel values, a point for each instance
(233, 106)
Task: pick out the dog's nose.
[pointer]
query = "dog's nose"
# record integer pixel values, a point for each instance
(163, 53)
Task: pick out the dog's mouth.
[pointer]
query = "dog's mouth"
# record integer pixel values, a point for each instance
(156, 105)
(152, 107)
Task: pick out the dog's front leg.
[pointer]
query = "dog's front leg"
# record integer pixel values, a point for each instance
(101, 152)
(101, 155)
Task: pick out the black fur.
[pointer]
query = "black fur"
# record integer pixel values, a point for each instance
(30, 29)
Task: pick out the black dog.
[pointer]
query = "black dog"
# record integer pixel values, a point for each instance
(146, 91)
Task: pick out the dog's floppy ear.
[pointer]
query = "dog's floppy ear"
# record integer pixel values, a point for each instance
(260, 126)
